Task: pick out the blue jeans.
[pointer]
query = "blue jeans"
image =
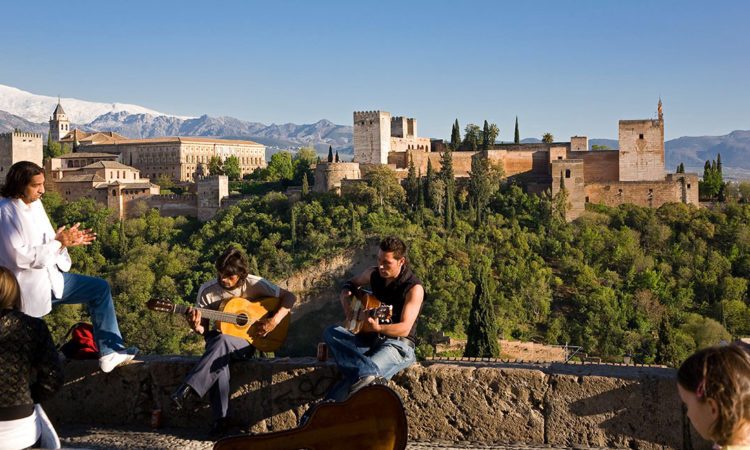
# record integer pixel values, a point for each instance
(361, 355)
(97, 296)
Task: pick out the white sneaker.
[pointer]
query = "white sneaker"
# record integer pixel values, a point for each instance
(108, 362)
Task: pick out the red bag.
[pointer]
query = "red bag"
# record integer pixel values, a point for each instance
(81, 344)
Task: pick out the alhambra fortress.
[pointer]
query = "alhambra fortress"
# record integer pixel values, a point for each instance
(521, 404)
(633, 174)
(117, 171)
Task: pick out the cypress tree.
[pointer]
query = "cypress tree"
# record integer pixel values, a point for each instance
(517, 135)
(681, 168)
(486, 136)
(330, 154)
(293, 226)
(481, 334)
(446, 174)
(337, 156)
(455, 136)
(305, 186)
(428, 184)
(412, 184)
(718, 165)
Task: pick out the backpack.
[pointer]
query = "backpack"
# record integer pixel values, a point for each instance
(81, 344)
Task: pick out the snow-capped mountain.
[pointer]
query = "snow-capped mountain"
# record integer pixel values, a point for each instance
(31, 112)
(38, 108)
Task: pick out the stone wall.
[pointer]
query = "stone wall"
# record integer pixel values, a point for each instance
(329, 175)
(600, 165)
(561, 405)
(644, 193)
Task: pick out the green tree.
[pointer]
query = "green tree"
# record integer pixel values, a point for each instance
(472, 137)
(387, 187)
(448, 177)
(481, 334)
(164, 181)
(516, 134)
(337, 156)
(596, 147)
(489, 135)
(455, 137)
(303, 161)
(429, 185)
(215, 166)
(482, 185)
(305, 186)
(280, 167)
(330, 154)
(232, 168)
(53, 149)
(681, 168)
(412, 184)
(547, 138)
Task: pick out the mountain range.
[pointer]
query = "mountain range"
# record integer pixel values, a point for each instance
(30, 112)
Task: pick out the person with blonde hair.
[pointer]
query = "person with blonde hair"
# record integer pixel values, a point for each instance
(714, 385)
(30, 371)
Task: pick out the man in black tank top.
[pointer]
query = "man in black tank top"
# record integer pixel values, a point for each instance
(379, 350)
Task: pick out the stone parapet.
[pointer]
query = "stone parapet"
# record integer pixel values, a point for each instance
(560, 405)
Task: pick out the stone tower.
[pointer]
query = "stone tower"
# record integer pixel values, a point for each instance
(58, 123)
(642, 149)
(372, 137)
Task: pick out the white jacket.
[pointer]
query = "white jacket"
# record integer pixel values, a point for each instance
(29, 249)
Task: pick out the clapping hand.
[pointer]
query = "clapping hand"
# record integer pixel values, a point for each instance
(75, 236)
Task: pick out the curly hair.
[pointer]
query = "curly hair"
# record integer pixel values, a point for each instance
(723, 374)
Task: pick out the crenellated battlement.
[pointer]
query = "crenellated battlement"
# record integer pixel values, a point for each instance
(22, 134)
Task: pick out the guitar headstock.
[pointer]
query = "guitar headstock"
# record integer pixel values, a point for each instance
(161, 305)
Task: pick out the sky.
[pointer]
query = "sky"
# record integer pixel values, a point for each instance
(565, 67)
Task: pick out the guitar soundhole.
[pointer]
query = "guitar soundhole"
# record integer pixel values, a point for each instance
(242, 320)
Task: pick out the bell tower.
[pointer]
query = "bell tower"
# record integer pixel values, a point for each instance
(58, 123)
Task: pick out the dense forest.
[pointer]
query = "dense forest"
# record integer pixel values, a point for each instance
(653, 284)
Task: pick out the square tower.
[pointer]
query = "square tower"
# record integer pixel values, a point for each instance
(641, 150)
(372, 137)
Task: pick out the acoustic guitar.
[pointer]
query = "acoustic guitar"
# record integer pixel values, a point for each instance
(237, 317)
(364, 305)
(373, 418)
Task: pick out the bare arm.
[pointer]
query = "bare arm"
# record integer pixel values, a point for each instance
(412, 305)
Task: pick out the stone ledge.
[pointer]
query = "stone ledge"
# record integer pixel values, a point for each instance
(511, 403)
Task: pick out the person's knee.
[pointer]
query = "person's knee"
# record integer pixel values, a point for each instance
(102, 287)
(331, 333)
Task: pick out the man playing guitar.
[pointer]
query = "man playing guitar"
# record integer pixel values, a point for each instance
(211, 374)
(378, 351)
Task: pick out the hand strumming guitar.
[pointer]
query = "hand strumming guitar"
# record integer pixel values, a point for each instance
(371, 325)
(193, 317)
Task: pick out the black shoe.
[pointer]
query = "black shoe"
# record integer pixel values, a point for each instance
(366, 381)
(226, 426)
(182, 396)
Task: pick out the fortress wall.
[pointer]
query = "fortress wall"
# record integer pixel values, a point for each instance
(599, 165)
(562, 405)
(643, 193)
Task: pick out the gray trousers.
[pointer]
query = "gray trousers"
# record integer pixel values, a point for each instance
(211, 374)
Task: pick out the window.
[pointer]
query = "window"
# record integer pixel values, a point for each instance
(567, 173)
(640, 136)
(587, 199)
(688, 185)
(559, 157)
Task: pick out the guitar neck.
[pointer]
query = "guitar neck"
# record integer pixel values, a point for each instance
(210, 314)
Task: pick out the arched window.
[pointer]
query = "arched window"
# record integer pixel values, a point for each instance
(567, 173)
